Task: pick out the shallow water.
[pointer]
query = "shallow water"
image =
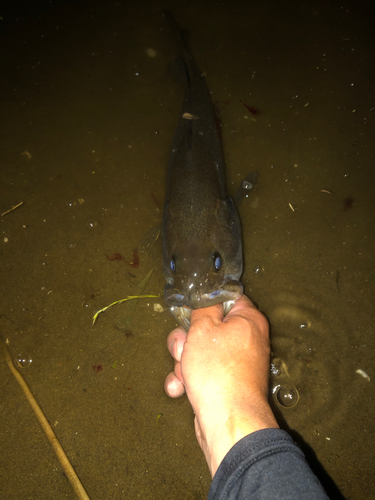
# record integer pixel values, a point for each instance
(86, 123)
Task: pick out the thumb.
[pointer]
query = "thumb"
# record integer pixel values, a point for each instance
(209, 316)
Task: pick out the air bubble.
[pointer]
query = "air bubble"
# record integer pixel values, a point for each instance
(287, 396)
(23, 361)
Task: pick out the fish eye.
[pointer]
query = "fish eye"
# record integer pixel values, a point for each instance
(217, 261)
(173, 265)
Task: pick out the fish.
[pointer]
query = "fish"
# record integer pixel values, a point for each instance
(201, 230)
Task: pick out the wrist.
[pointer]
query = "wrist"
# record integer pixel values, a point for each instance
(221, 433)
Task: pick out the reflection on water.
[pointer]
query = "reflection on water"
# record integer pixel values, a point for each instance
(305, 369)
(283, 390)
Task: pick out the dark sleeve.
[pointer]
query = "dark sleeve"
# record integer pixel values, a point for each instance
(265, 465)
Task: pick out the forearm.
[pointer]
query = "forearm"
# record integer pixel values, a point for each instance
(265, 464)
(220, 430)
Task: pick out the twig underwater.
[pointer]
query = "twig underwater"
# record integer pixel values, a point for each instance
(51, 436)
(11, 209)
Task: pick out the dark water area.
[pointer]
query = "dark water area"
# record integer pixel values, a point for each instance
(88, 108)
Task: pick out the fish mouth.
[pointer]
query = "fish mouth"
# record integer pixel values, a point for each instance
(183, 314)
(181, 305)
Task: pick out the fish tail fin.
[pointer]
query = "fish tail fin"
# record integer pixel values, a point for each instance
(191, 65)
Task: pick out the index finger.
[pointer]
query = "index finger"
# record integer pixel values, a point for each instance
(175, 342)
(214, 314)
(242, 305)
(246, 309)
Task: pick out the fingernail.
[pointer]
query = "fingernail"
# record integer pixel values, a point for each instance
(180, 348)
(172, 348)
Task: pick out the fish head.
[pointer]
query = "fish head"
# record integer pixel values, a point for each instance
(202, 274)
(200, 277)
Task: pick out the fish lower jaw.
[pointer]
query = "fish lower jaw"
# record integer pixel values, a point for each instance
(196, 297)
(183, 313)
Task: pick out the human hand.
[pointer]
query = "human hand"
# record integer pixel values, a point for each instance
(222, 364)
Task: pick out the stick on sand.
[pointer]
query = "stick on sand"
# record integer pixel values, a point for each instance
(66, 465)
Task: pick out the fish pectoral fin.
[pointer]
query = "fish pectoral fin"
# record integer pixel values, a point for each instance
(149, 239)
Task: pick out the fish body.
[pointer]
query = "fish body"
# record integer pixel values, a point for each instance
(201, 232)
